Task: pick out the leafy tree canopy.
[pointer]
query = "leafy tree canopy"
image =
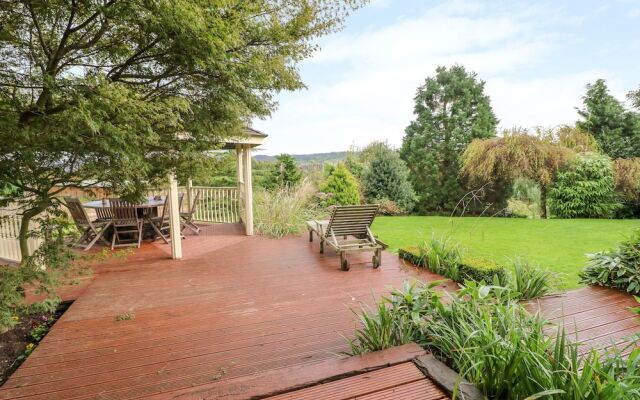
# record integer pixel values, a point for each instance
(616, 129)
(120, 92)
(451, 109)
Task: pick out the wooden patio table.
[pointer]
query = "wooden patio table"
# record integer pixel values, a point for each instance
(146, 210)
(151, 203)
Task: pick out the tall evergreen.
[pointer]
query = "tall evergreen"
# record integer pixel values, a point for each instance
(616, 129)
(451, 110)
(285, 172)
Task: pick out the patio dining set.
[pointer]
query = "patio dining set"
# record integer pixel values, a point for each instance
(120, 223)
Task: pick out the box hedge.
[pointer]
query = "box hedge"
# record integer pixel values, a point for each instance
(470, 268)
(412, 254)
(481, 269)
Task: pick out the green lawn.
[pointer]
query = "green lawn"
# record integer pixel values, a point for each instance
(557, 244)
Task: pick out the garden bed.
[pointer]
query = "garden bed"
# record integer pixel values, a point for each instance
(18, 342)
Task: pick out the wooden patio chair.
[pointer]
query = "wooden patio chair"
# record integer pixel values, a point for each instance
(104, 214)
(92, 231)
(187, 217)
(353, 225)
(125, 223)
(162, 223)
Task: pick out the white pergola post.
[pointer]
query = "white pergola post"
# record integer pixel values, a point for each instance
(240, 176)
(248, 190)
(174, 218)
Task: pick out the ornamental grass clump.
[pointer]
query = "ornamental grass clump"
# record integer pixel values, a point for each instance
(494, 342)
(283, 211)
(441, 255)
(529, 282)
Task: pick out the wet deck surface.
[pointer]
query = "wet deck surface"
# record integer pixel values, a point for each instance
(235, 307)
(596, 317)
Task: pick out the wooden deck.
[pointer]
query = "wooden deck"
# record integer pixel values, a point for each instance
(596, 317)
(235, 307)
(241, 317)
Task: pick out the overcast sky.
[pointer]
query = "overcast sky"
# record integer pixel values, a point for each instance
(535, 56)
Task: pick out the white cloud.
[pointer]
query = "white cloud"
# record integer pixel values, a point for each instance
(370, 95)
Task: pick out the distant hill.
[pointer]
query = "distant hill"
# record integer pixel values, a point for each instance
(309, 158)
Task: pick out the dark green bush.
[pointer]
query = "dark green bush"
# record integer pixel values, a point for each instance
(617, 268)
(479, 269)
(386, 178)
(284, 172)
(585, 190)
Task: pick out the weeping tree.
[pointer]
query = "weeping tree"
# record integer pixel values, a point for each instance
(627, 185)
(118, 93)
(516, 154)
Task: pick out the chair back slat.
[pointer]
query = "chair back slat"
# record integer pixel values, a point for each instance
(78, 213)
(123, 212)
(104, 213)
(352, 220)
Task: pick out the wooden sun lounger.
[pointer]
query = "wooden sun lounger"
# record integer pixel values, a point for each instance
(352, 224)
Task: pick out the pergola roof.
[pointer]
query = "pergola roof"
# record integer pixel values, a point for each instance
(252, 137)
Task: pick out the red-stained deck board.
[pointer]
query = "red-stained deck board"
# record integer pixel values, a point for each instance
(402, 381)
(594, 316)
(234, 308)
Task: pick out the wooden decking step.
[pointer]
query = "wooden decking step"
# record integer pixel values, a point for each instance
(284, 380)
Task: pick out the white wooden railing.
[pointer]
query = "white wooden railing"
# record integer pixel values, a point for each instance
(216, 204)
(9, 243)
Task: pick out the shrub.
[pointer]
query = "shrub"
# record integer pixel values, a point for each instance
(585, 189)
(284, 211)
(480, 269)
(341, 187)
(386, 179)
(493, 342)
(529, 282)
(284, 172)
(525, 199)
(617, 268)
(627, 183)
(43, 271)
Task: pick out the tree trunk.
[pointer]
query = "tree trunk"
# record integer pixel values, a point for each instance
(23, 236)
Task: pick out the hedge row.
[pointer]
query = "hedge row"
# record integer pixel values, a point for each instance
(469, 268)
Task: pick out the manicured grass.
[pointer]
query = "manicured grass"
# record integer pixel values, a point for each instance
(556, 244)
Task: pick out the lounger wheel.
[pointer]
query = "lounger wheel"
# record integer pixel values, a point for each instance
(376, 261)
(344, 263)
